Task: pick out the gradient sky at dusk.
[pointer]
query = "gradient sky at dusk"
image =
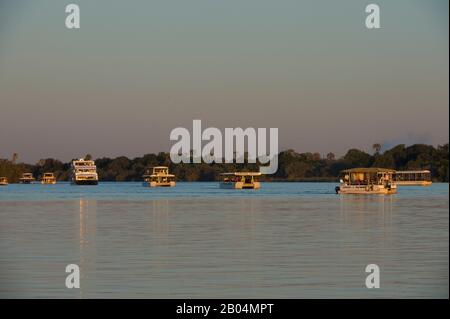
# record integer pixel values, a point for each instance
(137, 69)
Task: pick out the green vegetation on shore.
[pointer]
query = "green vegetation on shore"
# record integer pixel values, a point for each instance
(292, 166)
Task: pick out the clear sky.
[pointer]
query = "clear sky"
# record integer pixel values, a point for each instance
(137, 69)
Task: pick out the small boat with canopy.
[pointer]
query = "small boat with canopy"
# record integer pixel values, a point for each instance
(3, 181)
(27, 178)
(413, 178)
(159, 178)
(371, 180)
(48, 179)
(240, 180)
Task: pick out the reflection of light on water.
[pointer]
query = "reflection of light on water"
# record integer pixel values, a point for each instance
(248, 215)
(160, 232)
(87, 218)
(362, 212)
(361, 204)
(160, 223)
(83, 204)
(251, 249)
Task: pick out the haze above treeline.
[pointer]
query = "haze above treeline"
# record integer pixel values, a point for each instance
(292, 166)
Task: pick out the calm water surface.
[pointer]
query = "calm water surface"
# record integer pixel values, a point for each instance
(286, 240)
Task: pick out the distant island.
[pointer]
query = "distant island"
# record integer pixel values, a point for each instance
(292, 166)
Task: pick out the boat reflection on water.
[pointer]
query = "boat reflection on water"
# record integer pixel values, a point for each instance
(86, 235)
(362, 211)
(200, 241)
(160, 220)
(158, 228)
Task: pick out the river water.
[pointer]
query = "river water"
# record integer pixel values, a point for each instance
(286, 240)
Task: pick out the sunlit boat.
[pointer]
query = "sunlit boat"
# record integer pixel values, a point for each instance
(48, 178)
(367, 181)
(83, 172)
(27, 178)
(3, 181)
(413, 178)
(160, 177)
(240, 180)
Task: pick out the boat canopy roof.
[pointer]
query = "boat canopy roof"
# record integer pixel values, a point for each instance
(414, 172)
(83, 161)
(243, 174)
(160, 167)
(369, 170)
(159, 175)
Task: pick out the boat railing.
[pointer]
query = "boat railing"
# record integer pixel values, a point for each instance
(85, 167)
(86, 173)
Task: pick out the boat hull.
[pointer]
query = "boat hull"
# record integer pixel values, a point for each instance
(48, 182)
(362, 190)
(414, 183)
(240, 185)
(156, 184)
(85, 182)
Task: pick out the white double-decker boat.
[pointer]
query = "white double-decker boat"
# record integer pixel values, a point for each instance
(83, 172)
(48, 179)
(27, 178)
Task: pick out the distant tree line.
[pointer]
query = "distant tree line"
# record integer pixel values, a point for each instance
(292, 166)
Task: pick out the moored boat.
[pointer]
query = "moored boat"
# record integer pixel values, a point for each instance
(413, 178)
(367, 181)
(48, 179)
(27, 178)
(240, 180)
(159, 177)
(3, 181)
(83, 172)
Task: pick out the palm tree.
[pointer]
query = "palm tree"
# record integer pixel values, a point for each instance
(376, 147)
(15, 157)
(331, 156)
